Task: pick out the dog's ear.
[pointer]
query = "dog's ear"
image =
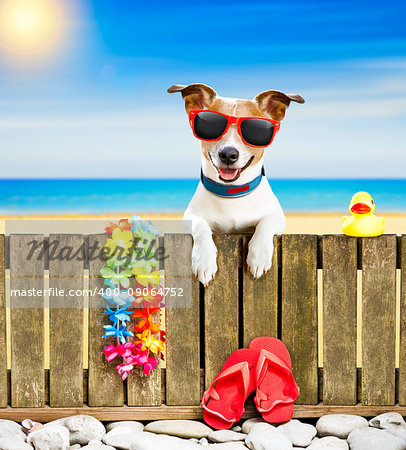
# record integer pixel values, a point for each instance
(274, 103)
(196, 96)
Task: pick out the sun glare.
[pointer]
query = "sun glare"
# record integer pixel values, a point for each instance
(28, 26)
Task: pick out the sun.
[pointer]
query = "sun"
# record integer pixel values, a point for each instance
(28, 26)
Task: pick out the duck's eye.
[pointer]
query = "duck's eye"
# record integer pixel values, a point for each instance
(372, 202)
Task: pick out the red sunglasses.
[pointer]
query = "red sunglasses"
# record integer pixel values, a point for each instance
(212, 126)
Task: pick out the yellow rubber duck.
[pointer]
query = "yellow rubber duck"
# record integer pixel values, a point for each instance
(363, 223)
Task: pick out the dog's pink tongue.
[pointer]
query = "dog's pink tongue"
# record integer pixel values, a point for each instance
(228, 174)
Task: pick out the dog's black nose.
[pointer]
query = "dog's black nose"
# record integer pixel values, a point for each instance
(228, 155)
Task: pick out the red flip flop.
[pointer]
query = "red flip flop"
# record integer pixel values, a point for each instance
(223, 402)
(276, 387)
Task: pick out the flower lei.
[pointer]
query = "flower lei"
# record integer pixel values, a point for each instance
(129, 253)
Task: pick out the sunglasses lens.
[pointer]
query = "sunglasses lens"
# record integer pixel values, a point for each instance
(257, 132)
(209, 125)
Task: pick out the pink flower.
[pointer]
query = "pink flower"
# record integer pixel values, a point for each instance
(110, 352)
(124, 350)
(149, 365)
(141, 357)
(124, 370)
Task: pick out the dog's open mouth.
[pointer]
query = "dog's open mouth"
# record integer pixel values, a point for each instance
(228, 175)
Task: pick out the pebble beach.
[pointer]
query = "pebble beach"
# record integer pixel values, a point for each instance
(336, 431)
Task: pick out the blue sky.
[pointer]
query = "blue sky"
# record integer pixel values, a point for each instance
(94, 105)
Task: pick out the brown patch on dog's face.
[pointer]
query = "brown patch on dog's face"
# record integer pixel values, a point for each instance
(269, 104)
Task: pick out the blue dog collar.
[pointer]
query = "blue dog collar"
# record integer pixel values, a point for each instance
(222, 190)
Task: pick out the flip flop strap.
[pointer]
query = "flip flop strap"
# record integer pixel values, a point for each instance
(266, 357)
(258, 400)
(236, 418)
(291, 391)
(211, 393)
(289, 397)
(239, 368)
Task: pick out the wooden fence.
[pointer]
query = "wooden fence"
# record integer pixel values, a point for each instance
(214, 322)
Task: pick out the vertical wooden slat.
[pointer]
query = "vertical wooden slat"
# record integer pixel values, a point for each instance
(378, 320)
(299, 311)
(66, 319)
(105, 384)
(260, 298)
(3, 355)
(145, 390)
(402, 356)
(221, 307)
(27, 320)
(339, 320)
(182, 324)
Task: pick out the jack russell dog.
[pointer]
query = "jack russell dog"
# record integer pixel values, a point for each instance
(233, 195)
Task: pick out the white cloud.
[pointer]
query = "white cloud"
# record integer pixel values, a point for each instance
(352, 125)
(91, 119)
(351, 109)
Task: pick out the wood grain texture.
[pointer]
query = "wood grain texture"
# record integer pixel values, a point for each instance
(260, 298)
(182, 324)
(378, 320)
(66, 321)
(48, 414)
(27, 320)
(339, 320)
(299, 311)
(402, 359)
(3, 356)
(145, 390)
(105, 384)
(221, 307)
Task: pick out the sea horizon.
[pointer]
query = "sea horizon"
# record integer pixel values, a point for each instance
(171, 195)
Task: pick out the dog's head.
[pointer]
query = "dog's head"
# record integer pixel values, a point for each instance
(228, 159)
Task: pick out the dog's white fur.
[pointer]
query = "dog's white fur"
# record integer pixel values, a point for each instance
(207, 213)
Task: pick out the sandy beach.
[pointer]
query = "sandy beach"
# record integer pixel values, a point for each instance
(308, 223)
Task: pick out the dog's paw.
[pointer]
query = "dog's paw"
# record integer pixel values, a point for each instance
(204, 265)
(259, 258)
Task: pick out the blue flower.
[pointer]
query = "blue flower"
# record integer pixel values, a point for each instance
(122, 299)
(109, 283)
(116, 315)
(120, 332)
(144, 226)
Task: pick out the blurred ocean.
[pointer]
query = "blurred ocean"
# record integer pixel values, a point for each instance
(19, 197)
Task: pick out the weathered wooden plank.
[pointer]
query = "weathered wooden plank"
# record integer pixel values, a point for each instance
(221, 307)
(299, 311)
(3, 356)
(105, 384)
(145, 390)
(339, 320)
(402, 356)
(143, 413)
(260, 298)
(27, 319)
(378, 320)
(182, 324)
(66, 319)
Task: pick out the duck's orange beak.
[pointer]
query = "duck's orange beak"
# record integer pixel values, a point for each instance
(360, 208)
